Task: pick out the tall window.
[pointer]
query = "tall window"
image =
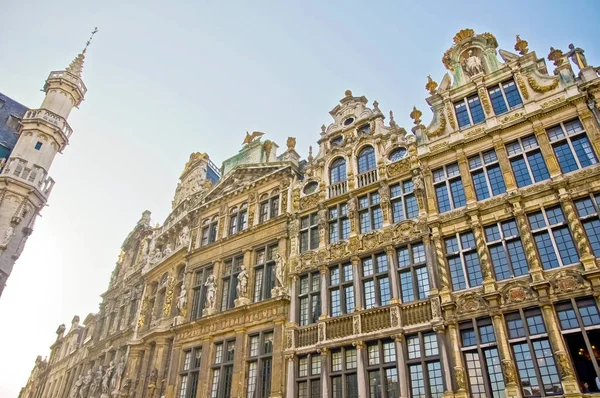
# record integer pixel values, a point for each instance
(190, 372)
(369, 212)
(209, 231)
(238, 219)
(231, 271)
(366, 160)
(506, 250)
(424, 367)
(486, 174)
(310, 298)
(199, 298)
(531, 348)
(308, 379)
(375, 280)
(337, 172)
(589, 214)
(341, 289)
(344, 381)
(505, 96)
(259, 365)
(269, 206)
(482, 359)
(463, 261)
(382, 370)
(412, 269)
(449, 188)
(579, 320)
(339, 224)
(264, 272)
(222, 370)
(309, 232)
(571, 145)
(552, 237)
(527, 161)
(404, 203)
(469, 111)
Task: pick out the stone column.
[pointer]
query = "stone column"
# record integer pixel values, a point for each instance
(239, 364)
(358, 298)
(440, 261)
(535, 267)
(590, 126)
(139, 378)
(324, 292)
(583, 245)
(430, 261)
(160, 363)
(443, 344)
(430, 192)
(361, 351)
(278, 364)
(459, 369)
(465, 176)
(509, 179)
(386, 206)
(290, 385)
(547, 151)
(569, 381)
(325, 367)
(401, 366)
(508, 367)
(218, 273)
(393, 272)
(205, 376)
(294, 299)
(489, 284)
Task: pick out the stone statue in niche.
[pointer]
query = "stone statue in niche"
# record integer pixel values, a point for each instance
(184, 236)
(107, 376)
(473, 65)
(279, 289)
(85, 387)
(242, 285)
(76, 387)
(96, 381)
(211, 294)
(152, 380)
(8, 235)
(181, 300)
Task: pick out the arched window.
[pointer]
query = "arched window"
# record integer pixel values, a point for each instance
(337, 172)
(269, 206)
(397, 154)
(366, 159)
(209, 231)
(238, 219)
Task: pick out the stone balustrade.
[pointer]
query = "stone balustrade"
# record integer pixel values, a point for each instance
(31, 174)
(338, 189)
(70, 77)
(367, 178)
(51, 118)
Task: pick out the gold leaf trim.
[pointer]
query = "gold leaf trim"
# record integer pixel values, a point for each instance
(541, 89)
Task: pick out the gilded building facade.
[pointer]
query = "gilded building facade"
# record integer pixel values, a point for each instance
(458, 259)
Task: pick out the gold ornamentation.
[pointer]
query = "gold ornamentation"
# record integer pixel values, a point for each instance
(463, 35)
(567, 282)
(509, 369)
(522, 85)
(512, 117)
(517, 293)
(470, 302)
(415, 115)
(194, 158)
(309, 201)
(441, 262)
(490, 37)
(553, 102)
(482, 252)
(169, 297)
(144, 309)
(450, 114)
(485, 101)
(397, 167)
(577, 229)
(440, 128)
(541, 89)
(521, 45)
(268, 146)
(564, 367)
(461, 382)
(556, 56)
(291, 143)
(251, 137)
(431, 85)
(446, 59)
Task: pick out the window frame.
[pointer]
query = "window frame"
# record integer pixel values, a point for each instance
(230, 277)
(504, 241)
(310, 295)
(461, 254)
(502, 89)
(264, 363)
(568, 136)
(311, 378)
(306, 233)
(345, 372)
(266, 279)
(199, 290)
(590, 219)
(209, 231)
(412, 269)
(446, 180)
(381, 368)
(366, 160)
(372, 210)
(550, 229)
(376, 277)
(337, 225)
(342, 285)
(423, 360)
(188, 370)
(270, 203)
(238, 219)
(466, 102)
(224, 378)
(401, 193)
(484, 168)
(526, 154)
(338, 171)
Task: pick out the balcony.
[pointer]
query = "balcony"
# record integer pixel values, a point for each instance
(367, 178)
(69, 77)
(50, 117)
(338, 189)
(308, 336)
(30, 174)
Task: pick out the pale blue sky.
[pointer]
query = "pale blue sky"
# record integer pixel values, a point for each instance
(169, 78)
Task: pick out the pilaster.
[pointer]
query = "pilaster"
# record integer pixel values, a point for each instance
(583, 245)
(240, 366)
(325, 369)
(509, 179)
(393, 273)
(465, 175)
(591, 127)
(547, 151)
(489, 285)
(535, 267)
(290, 384)
(324, 292)
(442, 269)
(401, 365)
(459, 368)
(358, 298)
(361, 352)
(508, 367)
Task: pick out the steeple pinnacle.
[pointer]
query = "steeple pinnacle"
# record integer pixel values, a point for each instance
(76, 67)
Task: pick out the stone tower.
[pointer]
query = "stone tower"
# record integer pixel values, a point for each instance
(24, 177)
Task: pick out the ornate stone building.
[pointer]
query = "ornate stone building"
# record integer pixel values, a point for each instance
(458, 260)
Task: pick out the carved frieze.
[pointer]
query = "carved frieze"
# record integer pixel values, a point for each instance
(567, 281)
(470, 302)
(517, 292)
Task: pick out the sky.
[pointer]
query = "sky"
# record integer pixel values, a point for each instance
(166, 79)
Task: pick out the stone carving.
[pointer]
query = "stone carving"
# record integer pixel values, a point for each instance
(460, 378)
(124, 393)
(473, 65)
(182, 300)
(356, 326)
(85, 387)
(168, 250)
(211, 293)
(291, 143)
(96, 381)
(242, 285)
(470, 302)
(567, 281)
(107, 377)
(184, 236)
(307, 202)
(116, 380)
(517, 293)
(279, 289)
(10, 231)
(564, 367)
(521, 46)
(508, 370)
(169, 296)
(152, 380)
(394, 316)
(431, 85)
(436, 309)
(576, 56)
(75, 389)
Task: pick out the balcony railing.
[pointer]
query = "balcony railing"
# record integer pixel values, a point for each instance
(70, 77)
(51, 118)
(338, 189)
(367, 178)
(30, 174)
(308, 336)
(416, 313)
(375, 320)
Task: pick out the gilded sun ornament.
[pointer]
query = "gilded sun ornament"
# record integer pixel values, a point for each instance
(431, 85)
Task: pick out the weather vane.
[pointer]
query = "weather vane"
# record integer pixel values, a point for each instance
(91, 37)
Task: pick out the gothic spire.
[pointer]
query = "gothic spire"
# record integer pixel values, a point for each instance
(76, 67)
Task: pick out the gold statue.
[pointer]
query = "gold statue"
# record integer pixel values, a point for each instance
(291, 143)
(251, 137)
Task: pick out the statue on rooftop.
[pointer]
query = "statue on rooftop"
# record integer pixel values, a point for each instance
(576, 56)
(251, 137)
(473, 65)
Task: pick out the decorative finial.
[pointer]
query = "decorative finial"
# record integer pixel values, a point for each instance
(556, 56)
(251, 137)
(431, 86)
(521, 46)
(348, 93)
(323, 128)
(310, 156)
(376, 106)
(87, 44)
(415, 115)
(392, 121)
(291, 143)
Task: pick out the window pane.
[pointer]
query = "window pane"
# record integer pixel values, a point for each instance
(476, 110)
